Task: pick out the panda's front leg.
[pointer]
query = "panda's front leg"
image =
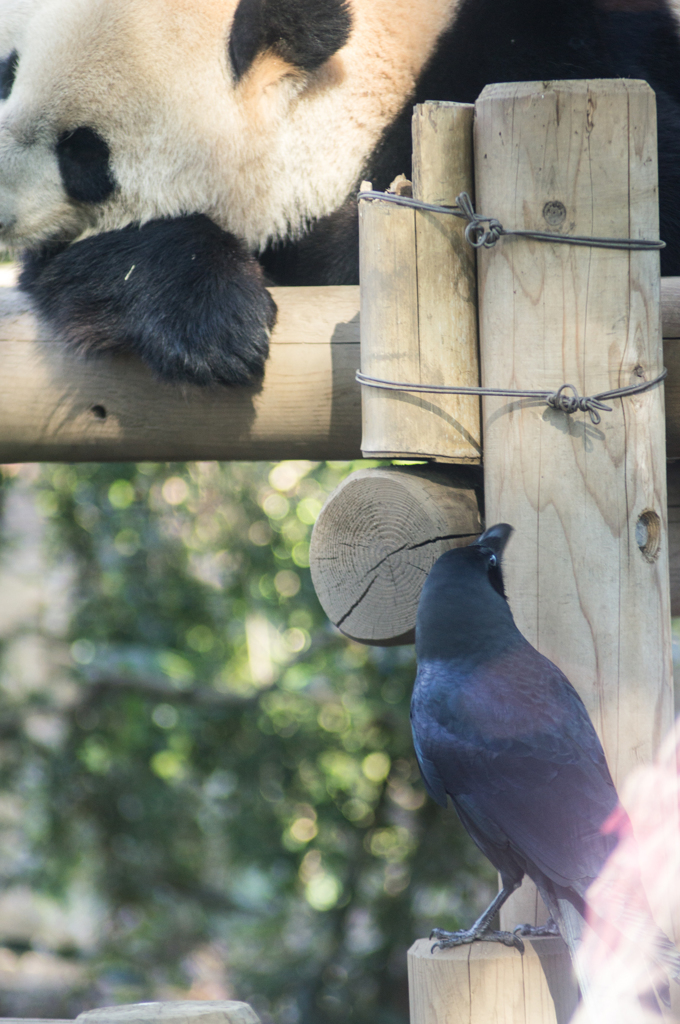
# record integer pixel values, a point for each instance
(183, 294)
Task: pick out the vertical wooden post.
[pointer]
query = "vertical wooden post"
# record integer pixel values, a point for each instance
(487, 983)
(587, 572)
(418, 301)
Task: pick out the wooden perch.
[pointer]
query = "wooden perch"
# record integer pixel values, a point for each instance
(57, 406)
(488, 983)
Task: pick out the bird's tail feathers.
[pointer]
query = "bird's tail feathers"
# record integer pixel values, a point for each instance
(571, 924)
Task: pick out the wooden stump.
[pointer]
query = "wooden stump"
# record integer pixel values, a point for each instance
(587, 571)
(418, 302)
(486, 983)
(376, 539)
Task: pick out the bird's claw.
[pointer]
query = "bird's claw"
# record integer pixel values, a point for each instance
(448, 940)
(540, 931)
(510, 939)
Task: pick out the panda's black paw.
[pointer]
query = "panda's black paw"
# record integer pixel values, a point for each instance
(184, 295)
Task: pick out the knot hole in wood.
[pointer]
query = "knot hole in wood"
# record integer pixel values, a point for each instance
(648, 534)
(554, 213)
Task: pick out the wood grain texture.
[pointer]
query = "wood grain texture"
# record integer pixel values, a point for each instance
(57, 406)
(486, 983)
(309, 406)
(376, 539)
(581, 588)
(418, 297)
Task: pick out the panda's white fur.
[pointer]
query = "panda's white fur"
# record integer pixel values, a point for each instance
(261, 158)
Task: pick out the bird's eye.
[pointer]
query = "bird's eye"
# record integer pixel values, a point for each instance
(492, 561)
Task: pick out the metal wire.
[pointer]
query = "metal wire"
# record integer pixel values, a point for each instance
(568, 403)
(484, 232)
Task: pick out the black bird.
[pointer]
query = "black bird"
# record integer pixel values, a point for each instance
(499, 729)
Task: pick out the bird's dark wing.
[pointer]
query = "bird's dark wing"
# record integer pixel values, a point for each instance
(434, 783)
(512, 744)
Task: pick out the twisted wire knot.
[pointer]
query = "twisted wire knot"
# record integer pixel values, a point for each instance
(577, 403)
(475, 233)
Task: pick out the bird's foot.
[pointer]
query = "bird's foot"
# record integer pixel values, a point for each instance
(532, 931)
(447, 940)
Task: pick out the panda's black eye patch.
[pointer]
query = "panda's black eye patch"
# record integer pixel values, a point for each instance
(84, 163)
(8, 71)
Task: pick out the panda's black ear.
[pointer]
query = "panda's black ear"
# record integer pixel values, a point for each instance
(304, 33)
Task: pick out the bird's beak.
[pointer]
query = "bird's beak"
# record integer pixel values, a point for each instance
(496, 537)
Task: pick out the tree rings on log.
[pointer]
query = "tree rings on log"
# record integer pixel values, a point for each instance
(376, 539)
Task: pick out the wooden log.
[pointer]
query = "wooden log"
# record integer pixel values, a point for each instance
(418, 300)
(48, 394)
(378, 536)
(587, 572)
(487, 983)
(58, 406)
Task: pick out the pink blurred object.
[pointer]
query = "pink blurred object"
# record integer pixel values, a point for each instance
(637, 892)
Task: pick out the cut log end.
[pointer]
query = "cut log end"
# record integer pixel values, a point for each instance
(376, 539)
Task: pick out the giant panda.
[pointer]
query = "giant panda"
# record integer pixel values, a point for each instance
(162, 160)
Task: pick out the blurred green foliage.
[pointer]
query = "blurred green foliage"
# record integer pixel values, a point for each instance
(215, 761)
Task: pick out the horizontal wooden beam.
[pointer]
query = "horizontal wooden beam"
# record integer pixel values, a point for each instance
(56, 406)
